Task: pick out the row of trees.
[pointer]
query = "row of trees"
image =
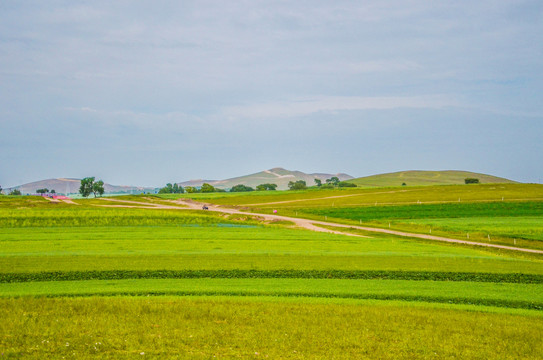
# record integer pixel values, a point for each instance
(171, 189)
(208, 188)
(45, 191)
(331, 183)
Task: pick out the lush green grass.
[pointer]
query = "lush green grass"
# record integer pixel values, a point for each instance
(509, 223)
(433, 211)
(529, 296)
(219, 245)
(207, 328)
(188, 253)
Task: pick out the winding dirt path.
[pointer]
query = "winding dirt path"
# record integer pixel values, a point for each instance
(309, 224)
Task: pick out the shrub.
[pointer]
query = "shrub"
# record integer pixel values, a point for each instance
(298, 185)
(346, 184)
(241, 188)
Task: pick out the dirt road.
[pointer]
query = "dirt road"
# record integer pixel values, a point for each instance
(310, 224)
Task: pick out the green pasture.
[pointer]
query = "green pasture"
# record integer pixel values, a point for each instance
(517, 224)
(84, 281)
(203, 328)
(371, 196)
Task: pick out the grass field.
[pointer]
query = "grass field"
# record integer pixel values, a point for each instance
(84, 281)
(504, 214)
(197, 328)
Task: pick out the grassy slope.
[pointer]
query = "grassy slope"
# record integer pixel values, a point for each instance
(419, 178)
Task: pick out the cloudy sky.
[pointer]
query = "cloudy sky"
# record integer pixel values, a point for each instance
(149, 92)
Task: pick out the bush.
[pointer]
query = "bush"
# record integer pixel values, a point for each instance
(471, 181)
(298, 185)
(207, 188)
(346, 184)
(241, 188)
(265, 187)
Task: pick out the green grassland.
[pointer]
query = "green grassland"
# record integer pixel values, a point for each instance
(83, 280)
(505, 214)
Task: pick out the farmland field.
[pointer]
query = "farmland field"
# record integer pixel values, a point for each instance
(86, 280)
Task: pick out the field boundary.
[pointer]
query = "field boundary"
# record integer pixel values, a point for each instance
(513, 278)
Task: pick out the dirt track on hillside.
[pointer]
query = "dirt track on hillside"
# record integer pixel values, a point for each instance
(305, 223)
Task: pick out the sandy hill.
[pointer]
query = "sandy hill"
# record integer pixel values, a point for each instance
(278, 176)
(418, 178)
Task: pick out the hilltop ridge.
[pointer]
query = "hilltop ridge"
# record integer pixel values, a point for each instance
(424, 177)
(277, 175)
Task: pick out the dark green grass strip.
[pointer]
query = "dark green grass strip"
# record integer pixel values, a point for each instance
(411, 298)
(515, 278)
(431, 211)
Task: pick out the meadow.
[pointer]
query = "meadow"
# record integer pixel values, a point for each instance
(86, 281)
(504, 214)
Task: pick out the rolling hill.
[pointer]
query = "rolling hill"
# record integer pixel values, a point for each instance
(278, 176)
(71, 186)
(420, 178)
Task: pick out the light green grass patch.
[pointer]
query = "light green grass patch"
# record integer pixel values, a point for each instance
(207, 328)
(433, 291)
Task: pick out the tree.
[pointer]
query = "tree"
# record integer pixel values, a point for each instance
(318, 182)
(471, 181)
(345, 184)
(15, 192)
(266, 187)
(207, 188)
(88, 186)
(241, 188)
(191, 189)
(298, 185)
(52, 191)
(1, 193)
(98, 187)
(177, 189)
(42, 191)
(334, 181)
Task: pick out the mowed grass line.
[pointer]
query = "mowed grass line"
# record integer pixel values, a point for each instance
(525, 296)
(394, 262)
(206, 328)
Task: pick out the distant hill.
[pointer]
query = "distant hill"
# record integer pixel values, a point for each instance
(419, 178)
(71, 186)
(278, 176)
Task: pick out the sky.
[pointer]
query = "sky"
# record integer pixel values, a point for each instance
(149, 92)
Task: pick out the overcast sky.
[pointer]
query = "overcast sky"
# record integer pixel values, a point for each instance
(149, 92)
